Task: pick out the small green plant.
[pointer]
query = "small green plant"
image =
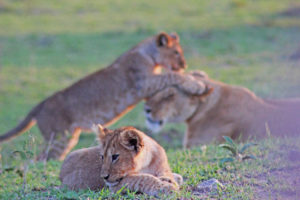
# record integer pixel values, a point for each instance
(236, 152)
(26, 155)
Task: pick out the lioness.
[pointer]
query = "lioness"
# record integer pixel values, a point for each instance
(223, 110)
(107, 94)
(125, 157)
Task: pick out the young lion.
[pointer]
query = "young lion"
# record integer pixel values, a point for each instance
(107, 94)
(125, 157)
(224, 110)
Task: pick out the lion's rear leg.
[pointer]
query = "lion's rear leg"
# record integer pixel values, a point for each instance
(70, 144)
(59, 145)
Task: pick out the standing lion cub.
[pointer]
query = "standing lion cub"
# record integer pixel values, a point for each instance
(125, 157)
(223, 110)
(107, 94)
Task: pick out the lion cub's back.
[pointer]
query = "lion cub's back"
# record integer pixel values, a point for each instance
(81, 169)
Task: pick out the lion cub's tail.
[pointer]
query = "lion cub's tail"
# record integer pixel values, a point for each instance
(24, 125)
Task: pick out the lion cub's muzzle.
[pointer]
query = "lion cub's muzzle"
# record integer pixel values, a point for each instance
(110, 183)
(154, 125)
(182, 66)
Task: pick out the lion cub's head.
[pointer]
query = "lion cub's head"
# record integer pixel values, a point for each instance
(172, 105)
(169, 53)
(120, 152)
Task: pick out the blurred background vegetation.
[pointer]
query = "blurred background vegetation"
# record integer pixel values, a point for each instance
(48, 45)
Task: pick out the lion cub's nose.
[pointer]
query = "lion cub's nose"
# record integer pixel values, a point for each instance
(106, 177)
(148, 110)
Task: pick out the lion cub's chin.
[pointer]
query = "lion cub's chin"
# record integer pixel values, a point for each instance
(154, 126)
(109, 184)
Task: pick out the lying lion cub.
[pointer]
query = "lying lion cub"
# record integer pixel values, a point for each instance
(222, 110)
(125, 157)
(105, 95)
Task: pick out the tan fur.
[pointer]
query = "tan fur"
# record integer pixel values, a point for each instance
(226, 110)
(106, 95)
(141, 165)
(81, 169)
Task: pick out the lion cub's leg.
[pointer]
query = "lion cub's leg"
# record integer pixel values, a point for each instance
(71, 143)
(166, 179)
(184, 82)
(177, 179)
(145, 183)
(59, 145)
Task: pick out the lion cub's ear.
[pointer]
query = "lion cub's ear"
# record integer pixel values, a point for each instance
(132, 140)
(99, 130)
(163, 40)
(175, 36)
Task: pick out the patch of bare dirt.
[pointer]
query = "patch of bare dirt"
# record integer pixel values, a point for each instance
(282, 183)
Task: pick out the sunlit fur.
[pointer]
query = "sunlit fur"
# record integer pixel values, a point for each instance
(104, 96)
(225, 110)
(141, 165)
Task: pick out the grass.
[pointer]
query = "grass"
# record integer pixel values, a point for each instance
(47, 45)
(251, 179)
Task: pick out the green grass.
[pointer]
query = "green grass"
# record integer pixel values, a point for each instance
(47, 45)
(251, 179)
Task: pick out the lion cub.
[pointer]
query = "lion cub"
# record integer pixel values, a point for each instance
(125, 157)
(222, 110)
(107, 94)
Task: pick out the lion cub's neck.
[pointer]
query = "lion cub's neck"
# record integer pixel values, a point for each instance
(153, 159)
(229, 110)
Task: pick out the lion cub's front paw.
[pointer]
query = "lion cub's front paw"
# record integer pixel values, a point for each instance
(200, 74)
(193, 86)
(178, 178)
(165, 179)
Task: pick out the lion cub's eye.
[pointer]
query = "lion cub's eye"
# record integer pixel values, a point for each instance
(114, 157)
(102, 157)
